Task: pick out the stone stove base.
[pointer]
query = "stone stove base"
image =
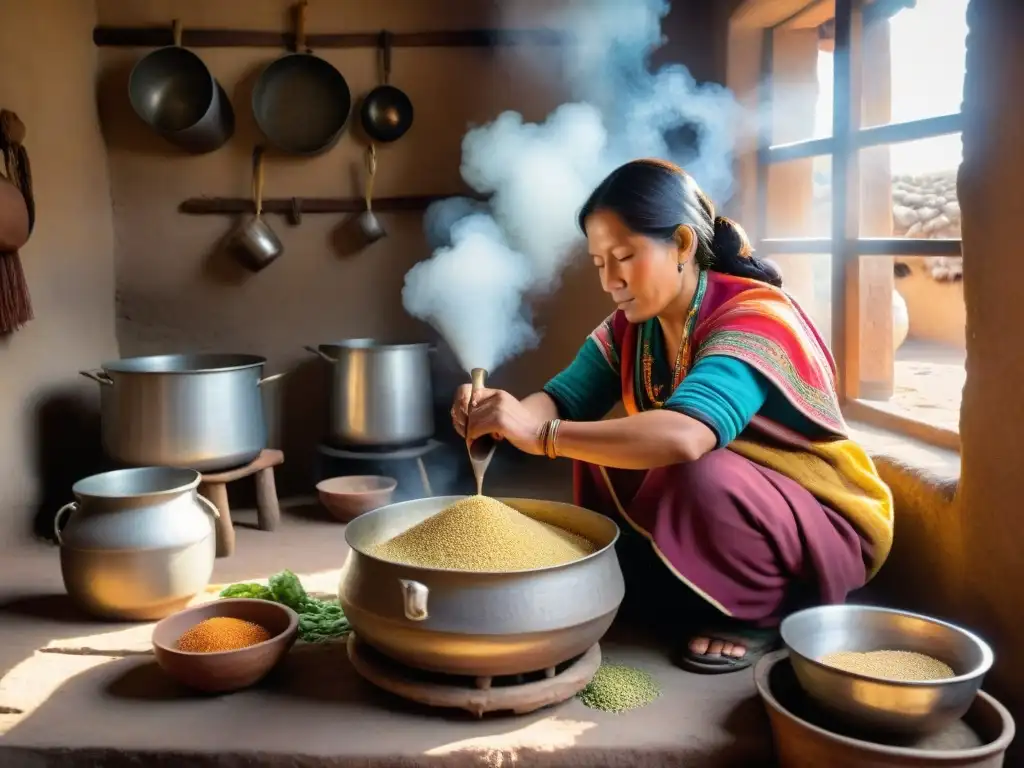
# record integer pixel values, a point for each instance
(519, 695)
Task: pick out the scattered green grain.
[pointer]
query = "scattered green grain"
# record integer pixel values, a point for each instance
(616, 688)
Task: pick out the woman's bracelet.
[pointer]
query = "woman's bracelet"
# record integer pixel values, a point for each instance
(551, 439)
(545, 430)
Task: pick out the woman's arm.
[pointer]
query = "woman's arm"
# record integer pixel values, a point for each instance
(541, 405)
(644, 441)
(584, 391)
(709, 410)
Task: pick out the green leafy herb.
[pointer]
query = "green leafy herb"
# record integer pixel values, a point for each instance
(319, 620)
(254, 591)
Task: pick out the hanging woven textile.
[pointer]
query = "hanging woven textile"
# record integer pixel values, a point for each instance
(15, 302)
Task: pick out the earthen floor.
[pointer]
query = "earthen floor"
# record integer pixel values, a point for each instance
(75, 692)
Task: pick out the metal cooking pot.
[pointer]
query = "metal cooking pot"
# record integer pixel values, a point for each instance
(369, 225)
(381, 394)
(139, 544)
(254, 240)
(480, 624)
(173, 91)
(201, 411)
(301, 102)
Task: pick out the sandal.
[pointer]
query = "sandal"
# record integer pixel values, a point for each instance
(758, 642)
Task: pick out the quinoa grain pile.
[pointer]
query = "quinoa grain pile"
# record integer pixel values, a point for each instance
(890, 665)
(616, 688)
(221, 633)
(481, 534)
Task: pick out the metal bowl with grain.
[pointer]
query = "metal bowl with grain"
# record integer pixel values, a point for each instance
(877, 704)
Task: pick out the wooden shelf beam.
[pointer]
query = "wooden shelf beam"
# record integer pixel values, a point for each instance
(288, 206)
(155, 37)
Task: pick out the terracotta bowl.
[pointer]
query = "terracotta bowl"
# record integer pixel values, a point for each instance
(348, 497)
(224, 671)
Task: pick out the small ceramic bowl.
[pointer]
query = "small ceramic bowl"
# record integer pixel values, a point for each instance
(224, 671)
(348, 497)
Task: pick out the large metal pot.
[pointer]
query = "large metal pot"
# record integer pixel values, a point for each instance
(381, 394)
(139, 544)
(480, 624)
(201, 411)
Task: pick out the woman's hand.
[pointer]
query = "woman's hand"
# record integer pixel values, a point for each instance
(460, 408)
(496, 412)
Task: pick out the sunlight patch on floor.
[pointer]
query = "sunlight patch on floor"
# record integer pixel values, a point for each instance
(31, 682)
(551, 734)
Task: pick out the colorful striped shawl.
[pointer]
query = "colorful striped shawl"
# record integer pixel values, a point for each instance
(765, 328)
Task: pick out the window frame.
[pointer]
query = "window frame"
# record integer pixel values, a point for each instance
(844, 244)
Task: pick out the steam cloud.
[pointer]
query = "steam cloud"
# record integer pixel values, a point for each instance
(491, 260)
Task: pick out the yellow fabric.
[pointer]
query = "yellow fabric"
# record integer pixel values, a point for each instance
(840, 475)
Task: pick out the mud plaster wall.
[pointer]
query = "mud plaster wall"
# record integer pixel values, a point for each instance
(984, 548)
(957, 550)
(175, 293)
(47, 423)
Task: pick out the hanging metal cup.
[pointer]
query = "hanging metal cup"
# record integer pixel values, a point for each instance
(369, 225)
(255, 241)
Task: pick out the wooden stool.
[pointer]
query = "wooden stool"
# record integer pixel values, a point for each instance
(215, 488)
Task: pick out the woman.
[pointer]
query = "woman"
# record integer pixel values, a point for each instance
(732, 468)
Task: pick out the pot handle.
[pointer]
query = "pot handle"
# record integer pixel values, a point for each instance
(268, 379)
(71, 506)
(414, 599)
(322, 355)
(210, 506)
(99, 376)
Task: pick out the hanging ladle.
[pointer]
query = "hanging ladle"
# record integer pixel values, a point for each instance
(369, 224)
(481, 450)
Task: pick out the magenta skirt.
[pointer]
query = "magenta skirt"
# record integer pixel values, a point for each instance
(750, 541)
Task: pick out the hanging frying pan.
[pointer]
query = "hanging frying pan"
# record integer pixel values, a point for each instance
(386, 112)
(300, 101)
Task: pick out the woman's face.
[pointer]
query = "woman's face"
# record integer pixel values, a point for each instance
(640, 274)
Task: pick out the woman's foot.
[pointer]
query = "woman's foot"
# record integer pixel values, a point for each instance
(716, 651)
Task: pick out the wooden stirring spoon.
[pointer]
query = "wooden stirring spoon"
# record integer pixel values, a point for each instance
(481, 450)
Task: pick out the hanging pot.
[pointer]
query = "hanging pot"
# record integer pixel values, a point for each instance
(254, 241)
(174, 93)
(301, 102)
(369, 225)
(386, 112)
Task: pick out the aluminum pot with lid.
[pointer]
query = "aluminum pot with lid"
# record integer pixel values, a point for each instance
(138, 544)
(381, 394)
(202, 411)
(480, 624)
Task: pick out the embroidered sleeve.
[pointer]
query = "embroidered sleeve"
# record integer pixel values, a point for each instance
(604, 339)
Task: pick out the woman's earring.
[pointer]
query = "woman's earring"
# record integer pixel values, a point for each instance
(679, 266)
